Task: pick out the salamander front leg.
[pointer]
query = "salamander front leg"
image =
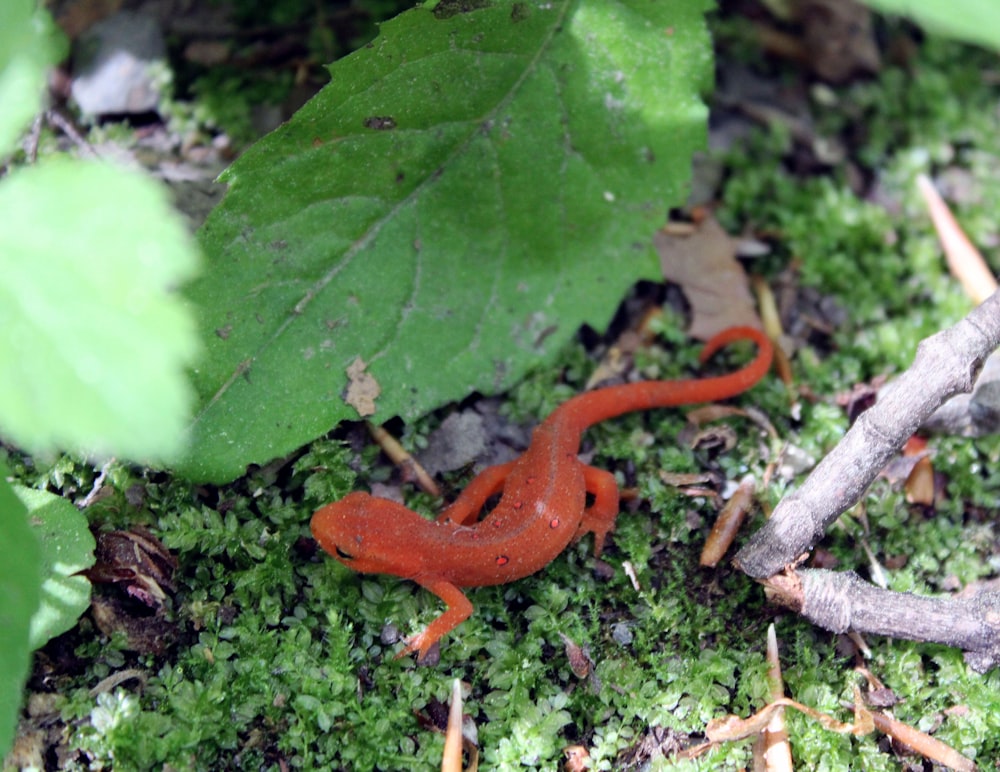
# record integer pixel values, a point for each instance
(459, 609)
(599, 517)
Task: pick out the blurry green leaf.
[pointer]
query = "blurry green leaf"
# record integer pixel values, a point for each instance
(94, 342)
(467, 191)
(974, 21)
(67, 548)
(28, 46)
(19, 591)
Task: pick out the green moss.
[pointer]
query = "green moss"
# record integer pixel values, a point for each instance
(285, 658)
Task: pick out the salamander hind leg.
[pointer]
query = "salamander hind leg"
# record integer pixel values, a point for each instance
(599, 517)
(459, 609)
(465, 509)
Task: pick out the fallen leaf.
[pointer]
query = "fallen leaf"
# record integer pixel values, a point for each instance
(964, 260)
(362, 388)
(579, 660)
(838, 39)
(704, 265)
(920, 483)
(719, 439)
(899, 469)
(678, 479)
(577, 758)
(658, 742)
(834, 38)
(728, 523)
(144, 633)
(138, 562)
(861, 397)
(75, 18)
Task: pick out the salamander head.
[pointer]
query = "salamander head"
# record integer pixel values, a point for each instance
(373, 535)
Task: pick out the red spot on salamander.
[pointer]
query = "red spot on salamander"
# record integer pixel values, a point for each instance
(554, 522)
(502, 560)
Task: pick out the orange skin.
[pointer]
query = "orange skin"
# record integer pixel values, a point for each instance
(542, 508)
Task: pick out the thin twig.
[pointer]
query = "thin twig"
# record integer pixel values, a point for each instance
(946, 364)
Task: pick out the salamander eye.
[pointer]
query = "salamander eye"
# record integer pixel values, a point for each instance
(342, 554)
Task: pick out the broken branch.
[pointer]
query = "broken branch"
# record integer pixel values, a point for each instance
(946, 364)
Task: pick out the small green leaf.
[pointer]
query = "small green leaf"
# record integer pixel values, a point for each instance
(20, 578)
(67, 548)
(467, 191)
(974, 21)
(28, 46)
(94, 341)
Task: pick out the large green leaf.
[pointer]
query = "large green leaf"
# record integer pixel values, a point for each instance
(28, 46)
(95, 342)
(974, 21)
(20, 579)
(67, 547)
(467, 191)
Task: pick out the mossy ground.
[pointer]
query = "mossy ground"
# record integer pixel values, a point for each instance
(279, 655)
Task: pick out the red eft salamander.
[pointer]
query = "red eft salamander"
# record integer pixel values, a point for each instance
(543, 506)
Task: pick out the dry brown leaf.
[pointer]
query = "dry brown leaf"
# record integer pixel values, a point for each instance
(715, 284)
(838, 39)
(920, 484)
(76, 17)
(728, 523)
(138, 552)
(834, 38)
(711, 412)
(577, 758)
(720, 438)
(145, 633)
(28, 751)
(964, 260)
(362, 388)
(679, 479)
(579, 660)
